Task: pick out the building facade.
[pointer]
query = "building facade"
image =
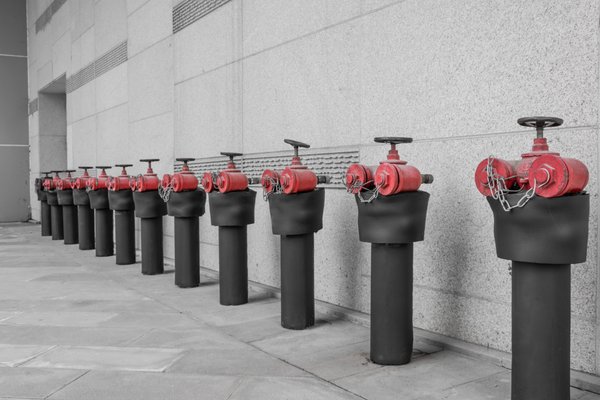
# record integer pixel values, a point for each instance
(113, 81)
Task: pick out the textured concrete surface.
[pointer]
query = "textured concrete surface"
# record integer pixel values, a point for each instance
(74, 326)
(337, 73)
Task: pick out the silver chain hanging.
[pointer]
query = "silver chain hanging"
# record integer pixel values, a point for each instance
(275, 187)
(358, 188)
(165, 192)
(498, 189)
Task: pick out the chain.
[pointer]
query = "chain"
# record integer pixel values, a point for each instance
(165, 192)
(275, 188)
(498, 189)
(358, 188)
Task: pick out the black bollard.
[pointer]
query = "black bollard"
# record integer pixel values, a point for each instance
(297, 281)
(391, 303)
(541, 329)
(56, 218)
(45, 218)
(85, 217)
(152, 246)
(70, 224)
(104, 233)
(125, 237)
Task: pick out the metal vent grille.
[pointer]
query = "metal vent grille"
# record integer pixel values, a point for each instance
(103, 64)
(189, 11)
(46, 16)
(32, 106)
(331, 163)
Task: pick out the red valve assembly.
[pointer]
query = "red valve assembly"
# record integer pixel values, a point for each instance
(81, 182)
(101, 181)
(147, 182)
(182, 181)
(545, 173)
(67, 182)
(392, 176)
(295, 178)
(121, 182)
(52, 184)
(231, 179)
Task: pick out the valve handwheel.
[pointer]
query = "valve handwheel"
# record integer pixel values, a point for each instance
(295, 144)
(231, 154)
(185, 160)
(149, 160)
(123, 165)
(539, 123)
(103, 167)
(393, 139)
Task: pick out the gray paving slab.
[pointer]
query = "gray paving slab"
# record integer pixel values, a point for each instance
(107, 358)
(34, 383)
(255, 330)
(59, 318)
(425, 376)
(198, 338)
(12, 355)
(61, 335)
(290, 389)
(233, 362)
(151, 320)
(102, 385)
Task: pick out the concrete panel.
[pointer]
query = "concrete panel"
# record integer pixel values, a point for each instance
(13, 29)
(151, 81)
(111, 88)
(112, 137)
(34, 383)
(294, 389)
(156, 14)
(15, 202)
(133, 5)
(13, 101)
(81, 103)
(468, 73)
(61, 56)
(207, 107)
(152, 138)
(82, 17)
(208, 43)
(110, 17)
(82, 51)
(307, 90)
(270, 23)
(13, 355)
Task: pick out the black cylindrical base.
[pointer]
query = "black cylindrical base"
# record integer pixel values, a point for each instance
(391, 303)
(297, 281)
(187, 252)
(45, 218)
(233, 265)
(152, 246)
(85, 220)
(70, 224)
(104, 233)
(541, 328)
(56, 222)
(125, 237)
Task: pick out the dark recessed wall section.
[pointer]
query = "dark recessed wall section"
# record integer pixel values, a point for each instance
(13, 32)
(189, 11)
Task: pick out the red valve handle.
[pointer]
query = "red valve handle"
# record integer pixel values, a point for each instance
(539, 123)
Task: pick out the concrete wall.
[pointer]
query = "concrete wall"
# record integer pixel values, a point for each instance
(335, 74)
(14, 149)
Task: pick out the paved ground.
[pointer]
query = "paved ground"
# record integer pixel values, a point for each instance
(73, 326)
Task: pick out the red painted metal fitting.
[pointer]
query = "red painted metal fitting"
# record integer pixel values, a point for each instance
(298, 180)
(397, 178)
(81, 181)
(147, 182)
(51, 184)
(556, 176)
(208, 182)
(231, 179)
(359, 177)
(67, 182)
(121, 182)
(101, 181)
(502, 168)
(269, 180)
(181, 181)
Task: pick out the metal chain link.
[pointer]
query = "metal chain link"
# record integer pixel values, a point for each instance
(358, 188)
(165, 192)
(275, 188)
(498, 189)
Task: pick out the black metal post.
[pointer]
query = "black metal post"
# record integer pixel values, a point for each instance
(45, 218)
(70, 224)
(85, 219)
(152, 246)
(541, 329)
(56, 218)
(297, 281)
(187, 252)
(125, 237)
(391, 303)
(104, 233)
(233, 265)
